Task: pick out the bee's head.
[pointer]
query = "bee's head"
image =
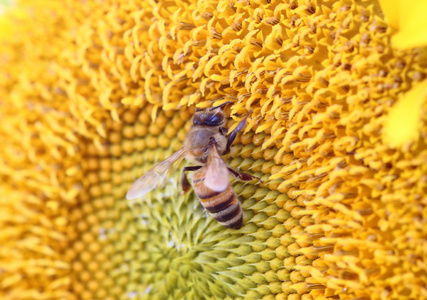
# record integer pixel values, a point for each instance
(213, 116)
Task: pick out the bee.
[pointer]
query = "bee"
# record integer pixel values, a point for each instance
(204, 145)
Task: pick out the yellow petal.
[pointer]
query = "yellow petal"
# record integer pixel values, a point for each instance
(409, 18)
(403, 122)
(391, 9)
(412, 35)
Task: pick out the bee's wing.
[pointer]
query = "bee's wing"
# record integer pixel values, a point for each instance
(154, 177)
(217, 172)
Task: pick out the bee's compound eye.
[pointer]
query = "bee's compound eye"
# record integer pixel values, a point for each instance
(197, 121)
(214, 120)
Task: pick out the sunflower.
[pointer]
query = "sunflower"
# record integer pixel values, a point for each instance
(95, 93)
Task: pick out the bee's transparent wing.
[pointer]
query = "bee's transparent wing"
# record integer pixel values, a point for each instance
(155, 177)
(217, 172)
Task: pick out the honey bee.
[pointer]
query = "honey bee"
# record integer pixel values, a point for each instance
(204, 145)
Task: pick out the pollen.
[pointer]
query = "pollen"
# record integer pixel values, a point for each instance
(94, 94)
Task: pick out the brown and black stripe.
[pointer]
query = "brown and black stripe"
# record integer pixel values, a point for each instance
(222, 206)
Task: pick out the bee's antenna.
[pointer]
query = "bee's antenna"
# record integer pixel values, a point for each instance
(220, 106)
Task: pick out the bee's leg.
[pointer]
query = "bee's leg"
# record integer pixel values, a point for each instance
(243, 176)
(184, 181)
(233, 134)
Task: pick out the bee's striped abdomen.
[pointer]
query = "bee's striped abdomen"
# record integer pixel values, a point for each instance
(223, 206)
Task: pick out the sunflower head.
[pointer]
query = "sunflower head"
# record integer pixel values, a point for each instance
(92, 95)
